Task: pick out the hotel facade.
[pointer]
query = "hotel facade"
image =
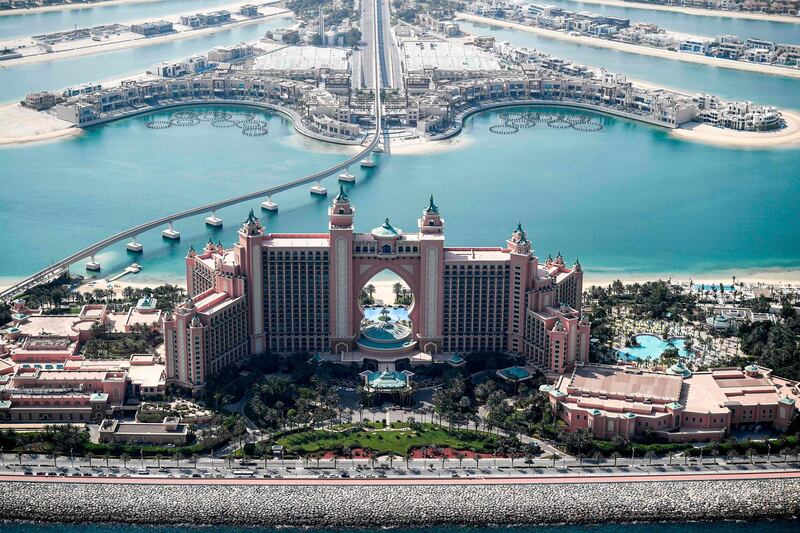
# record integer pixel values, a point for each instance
(293, 293)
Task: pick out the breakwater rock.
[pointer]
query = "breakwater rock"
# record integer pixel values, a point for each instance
(400, 505)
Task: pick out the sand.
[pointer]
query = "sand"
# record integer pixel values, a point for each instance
(697, 11)
(786, 137)
(777, 276)
(138, 42)
(66, 7)
(637, 49)
(422, 146)
(19, 125)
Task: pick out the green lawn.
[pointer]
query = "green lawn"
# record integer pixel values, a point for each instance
(398, 441)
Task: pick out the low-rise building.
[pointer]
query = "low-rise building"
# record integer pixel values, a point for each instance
(676, 405)
(40, 101)
(170, 431)
(149, 29)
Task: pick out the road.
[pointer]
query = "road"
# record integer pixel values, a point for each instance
(361, 471)
(387, 49)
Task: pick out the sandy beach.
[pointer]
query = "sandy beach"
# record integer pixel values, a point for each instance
(697, 11)
(787, 137)
(636, 49)
(67, 7)
(422, 146)
(135, 43)
(20, 125)
(777, 276)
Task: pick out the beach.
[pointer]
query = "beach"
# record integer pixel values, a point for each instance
(143, 41)
(64, 7)
(420, 145)
(637, 49)
(19, 125)
(776, 276)
(789, 136)
(697, 11)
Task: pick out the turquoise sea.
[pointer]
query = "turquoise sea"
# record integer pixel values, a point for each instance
(36, 23)
(628, 199)
(789, 526)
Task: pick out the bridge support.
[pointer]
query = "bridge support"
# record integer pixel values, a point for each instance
(92, 265)
(269, 205)
(319, 190)
(134, 246)
(346, 176)
(213, 220)
(368, 162)
(171, 233)
(378, 149)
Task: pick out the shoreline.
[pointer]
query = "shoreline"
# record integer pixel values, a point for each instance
(500, 502)
(140, 42)
(69, 7)
(635, 49)
(698, 11)
(598, 277)
(38, 126)
(786, 137)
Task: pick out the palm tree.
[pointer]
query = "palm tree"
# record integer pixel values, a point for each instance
(408, 459)
(649, 454)
(158, 460)
(750, 452)
(106, 456)
(125, 458)
(555, 457)
(177, 457)
(54, 455)
(19, 458)
(598, 458)
(616, 455)
(460, 456)
(194, 459)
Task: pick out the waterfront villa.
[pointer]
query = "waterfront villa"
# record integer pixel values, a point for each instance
(288, 293)
(676, 405)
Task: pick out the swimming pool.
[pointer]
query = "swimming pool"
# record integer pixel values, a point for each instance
(399, 313)
(651, 347)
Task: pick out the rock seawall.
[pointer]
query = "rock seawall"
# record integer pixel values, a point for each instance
(400, 505)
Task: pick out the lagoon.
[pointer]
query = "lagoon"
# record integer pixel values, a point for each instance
(618, 198)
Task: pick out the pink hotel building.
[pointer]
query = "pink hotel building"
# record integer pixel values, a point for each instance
(288, 293)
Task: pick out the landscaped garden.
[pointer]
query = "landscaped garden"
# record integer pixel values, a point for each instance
(399, 439)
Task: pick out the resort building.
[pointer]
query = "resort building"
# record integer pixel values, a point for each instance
(302, 295)
(676, 405)
(208, 331)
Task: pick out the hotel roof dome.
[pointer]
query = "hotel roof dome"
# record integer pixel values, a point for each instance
(386, 231)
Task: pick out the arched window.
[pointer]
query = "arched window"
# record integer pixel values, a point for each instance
(386, 249)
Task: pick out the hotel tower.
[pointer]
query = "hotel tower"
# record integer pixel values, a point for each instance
(290, 293)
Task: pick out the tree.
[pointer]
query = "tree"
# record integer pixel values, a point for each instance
(615, 457)
(125, 458)
(649, 455)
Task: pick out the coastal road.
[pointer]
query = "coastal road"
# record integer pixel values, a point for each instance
(522, 480)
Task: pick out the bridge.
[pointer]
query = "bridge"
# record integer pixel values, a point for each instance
(57, 267)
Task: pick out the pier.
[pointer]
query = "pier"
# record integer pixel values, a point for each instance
(171, 233)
